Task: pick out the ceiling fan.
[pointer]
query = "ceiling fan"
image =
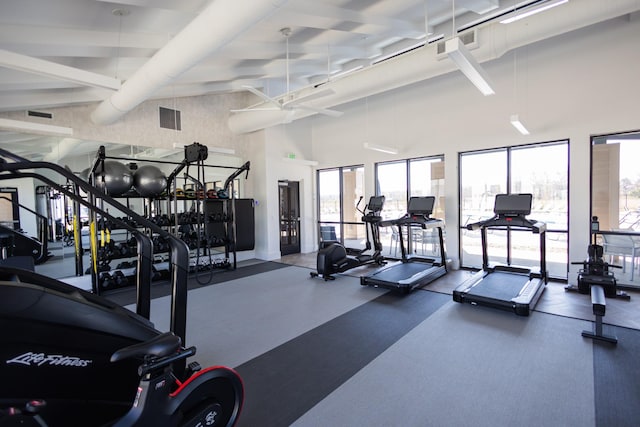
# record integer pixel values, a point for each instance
(293, 104)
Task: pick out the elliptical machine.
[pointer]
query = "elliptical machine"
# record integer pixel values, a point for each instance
(336, 258)
(70, 357)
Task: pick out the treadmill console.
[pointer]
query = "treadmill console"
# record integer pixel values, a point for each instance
(513, 204)
(421, 206)
(418, 212)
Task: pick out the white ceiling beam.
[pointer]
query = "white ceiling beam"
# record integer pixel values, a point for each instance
(10, 137)
(256, 50)
(54, 36)
(478, 6)
(85, 53)
(13, 101)
(314, 8)
(158, 4)
(51, 69)
(220, 23)
(33, 127)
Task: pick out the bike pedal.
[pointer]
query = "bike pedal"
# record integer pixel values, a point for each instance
(194, 367)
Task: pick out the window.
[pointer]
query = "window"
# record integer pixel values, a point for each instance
(400, 180)
(340, 195)
(615, 200)
(540, 169)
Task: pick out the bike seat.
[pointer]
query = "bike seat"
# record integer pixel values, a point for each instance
(160, 346)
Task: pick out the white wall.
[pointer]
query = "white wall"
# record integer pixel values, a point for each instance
(25, 188)
(569, 87)
(293, 138)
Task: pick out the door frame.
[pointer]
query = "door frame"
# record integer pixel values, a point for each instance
(289, 228)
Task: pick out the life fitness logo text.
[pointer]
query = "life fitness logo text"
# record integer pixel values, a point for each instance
(39, 359)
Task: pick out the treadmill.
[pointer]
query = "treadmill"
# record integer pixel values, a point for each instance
(506, 287)
(412, 271)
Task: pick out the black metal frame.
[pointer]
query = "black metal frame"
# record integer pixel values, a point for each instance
(179, 251)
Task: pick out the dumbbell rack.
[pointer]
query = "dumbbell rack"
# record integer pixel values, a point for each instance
(200, 243)
(125, 271)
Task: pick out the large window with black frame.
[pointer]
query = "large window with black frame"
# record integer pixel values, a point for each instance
(398, 181)
(340, 194)
(540, 169)
(615, 200)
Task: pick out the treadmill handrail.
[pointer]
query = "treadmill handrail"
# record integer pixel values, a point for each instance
(413, 220)
(517, 221)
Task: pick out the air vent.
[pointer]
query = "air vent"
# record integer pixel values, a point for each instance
(468, 39)
(170, 119)
(40, 114)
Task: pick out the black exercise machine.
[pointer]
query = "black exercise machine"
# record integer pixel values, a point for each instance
(335, 258)
(412, 271)
(507, 287)
(72, 357)
(595, 278)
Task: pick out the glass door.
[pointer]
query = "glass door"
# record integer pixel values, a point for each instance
(289, 196)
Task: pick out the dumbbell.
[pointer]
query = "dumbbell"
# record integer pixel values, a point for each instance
(106, 281)
(120, 279)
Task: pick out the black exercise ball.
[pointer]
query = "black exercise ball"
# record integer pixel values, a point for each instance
(149, 181)
(114, 178)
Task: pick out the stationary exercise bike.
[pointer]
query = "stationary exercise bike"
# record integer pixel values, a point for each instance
(336, 258)
(73, 358)
(595, 278)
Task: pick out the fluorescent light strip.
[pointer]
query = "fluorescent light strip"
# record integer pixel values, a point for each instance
(516, 123)
(459, 54)
(380, 148)
(524, 13)
(39, 128)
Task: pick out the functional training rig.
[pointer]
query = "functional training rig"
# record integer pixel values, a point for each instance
(75, 350)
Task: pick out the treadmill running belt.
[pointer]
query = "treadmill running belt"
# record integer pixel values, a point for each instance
(400, 272)
(499, 286)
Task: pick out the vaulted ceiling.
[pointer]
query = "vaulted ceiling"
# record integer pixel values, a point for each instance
(57, 53)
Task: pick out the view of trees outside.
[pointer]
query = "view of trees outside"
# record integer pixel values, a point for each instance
(615, 200)
(424, 176)
(541, 170)
(615, 164)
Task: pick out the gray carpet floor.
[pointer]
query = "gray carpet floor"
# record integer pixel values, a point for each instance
(315, 353)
